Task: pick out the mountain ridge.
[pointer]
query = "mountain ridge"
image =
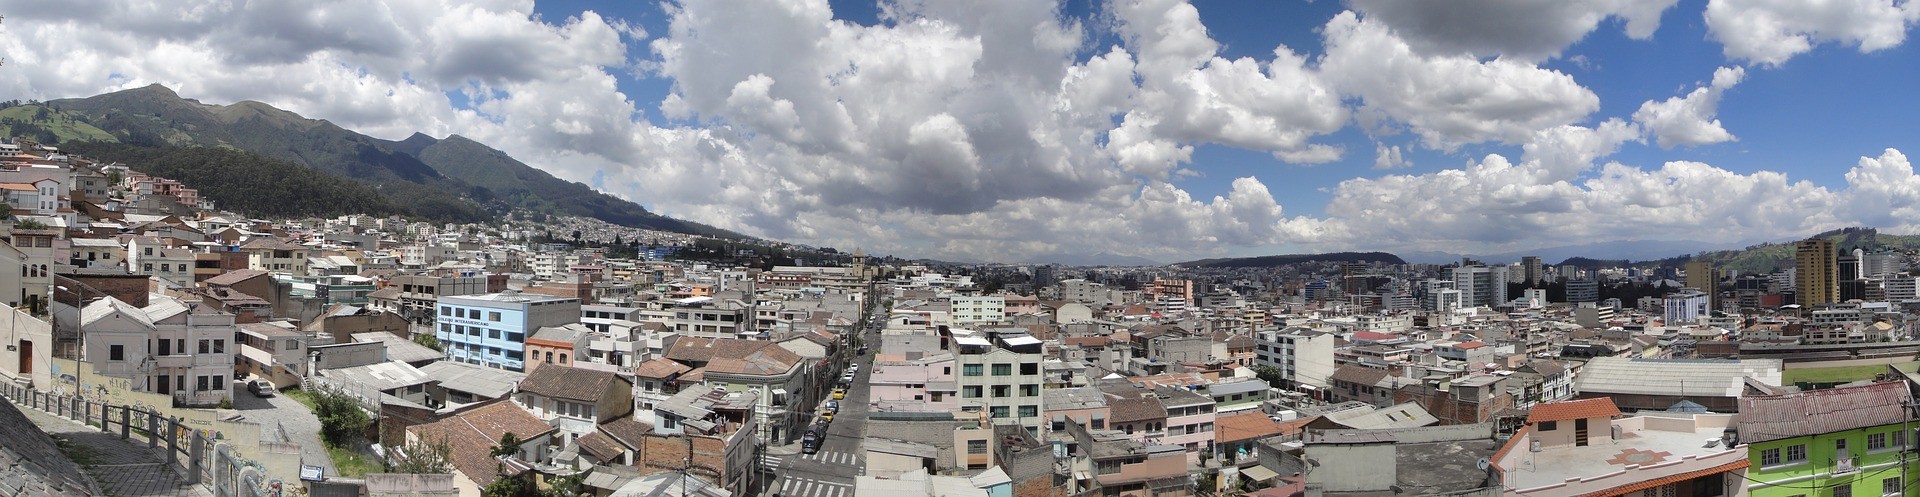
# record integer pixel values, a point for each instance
(410, 172)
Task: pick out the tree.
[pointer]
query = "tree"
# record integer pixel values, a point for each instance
(342, 422)
(509, 446)
(29, 224)
(565, 486)
(507, 486)
(428, 340)
(423, 457)
(1269, 374)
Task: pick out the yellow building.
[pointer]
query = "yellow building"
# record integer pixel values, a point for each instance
(1815, 278)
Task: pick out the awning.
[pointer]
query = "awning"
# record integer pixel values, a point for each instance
(1258, 473)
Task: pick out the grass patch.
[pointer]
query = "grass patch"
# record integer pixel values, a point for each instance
(304, 397)
(82, 455)
(352, 464)
(1842, 374)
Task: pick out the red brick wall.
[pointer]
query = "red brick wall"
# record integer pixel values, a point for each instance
(129, 289)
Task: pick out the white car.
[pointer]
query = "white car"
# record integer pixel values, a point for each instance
(847, 377)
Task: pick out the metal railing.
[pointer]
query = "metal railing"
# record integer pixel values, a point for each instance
(189, 451)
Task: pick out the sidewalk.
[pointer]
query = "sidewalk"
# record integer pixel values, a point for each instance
(121, 467)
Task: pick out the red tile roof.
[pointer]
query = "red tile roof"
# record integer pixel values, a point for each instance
(1249, 425)
(1669, 479)
(1573, 409)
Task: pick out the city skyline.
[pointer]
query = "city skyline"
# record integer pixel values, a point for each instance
(1002, 131)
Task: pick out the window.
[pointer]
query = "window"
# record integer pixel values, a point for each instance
(493, 316)
(1003, 370)
(1549, 425)
(1843, 491)
(1890, 487)
(1001, 391)
(117, 352)
(1029, 368)
(1030, 390)
(1769, 457)
(219, 346)
(206, 346)
(976, 446)
(1796, 453)
(493, 334)
(970, 370)
(999, 411)
(446, 327)
(293, 345)
(446, 311)
(563, 358)
(971, 392)
(1900, 438)
(202, 382)
(1029, 411)
(1876, 441)
(148, 267)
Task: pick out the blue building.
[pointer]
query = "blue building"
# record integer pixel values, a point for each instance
(491, 330)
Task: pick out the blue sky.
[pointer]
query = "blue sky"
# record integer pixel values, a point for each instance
(1814, 115)
(1169, 129)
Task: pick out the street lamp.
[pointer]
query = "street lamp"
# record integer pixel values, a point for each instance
(80, 334)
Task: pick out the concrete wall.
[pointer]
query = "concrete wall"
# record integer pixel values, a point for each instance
(348, 355)
(25, 332)
(1352, 467)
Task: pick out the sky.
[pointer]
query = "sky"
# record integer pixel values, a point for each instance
(1007, 130)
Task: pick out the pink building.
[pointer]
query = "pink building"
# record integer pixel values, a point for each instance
(922, 385)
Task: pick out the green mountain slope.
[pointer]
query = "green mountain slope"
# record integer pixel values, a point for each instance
(47, 125)
(454, 179)
(517, 184)
(155, 116)
(248, 182)
(1770, 257)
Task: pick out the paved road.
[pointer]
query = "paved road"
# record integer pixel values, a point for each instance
(285, 419)
(831, 471)
(122, 468)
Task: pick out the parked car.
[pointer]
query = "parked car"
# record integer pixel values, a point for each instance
(810, 443)
(260, 388)
(839, 393)
(847, 378)
(833, 406)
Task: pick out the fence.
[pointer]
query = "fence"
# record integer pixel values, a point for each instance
(201, 460)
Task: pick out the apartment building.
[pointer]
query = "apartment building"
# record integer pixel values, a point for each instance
(1000, 373)
(491, 329)
(1304, 357)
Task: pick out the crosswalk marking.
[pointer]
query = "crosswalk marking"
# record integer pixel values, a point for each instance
(791, 486)
(843, 458)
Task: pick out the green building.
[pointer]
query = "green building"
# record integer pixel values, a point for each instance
(1836, 442)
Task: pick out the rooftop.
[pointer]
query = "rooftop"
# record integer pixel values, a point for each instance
(471, 378)
(1604, 455)
(1680, 377)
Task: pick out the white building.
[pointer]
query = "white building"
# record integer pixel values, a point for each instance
(978, 310)
(169, 347)
(1303, 356)
(1481, 285)
(1685, 307)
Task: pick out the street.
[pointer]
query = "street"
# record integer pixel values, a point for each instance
(283, 419)
(831, 471)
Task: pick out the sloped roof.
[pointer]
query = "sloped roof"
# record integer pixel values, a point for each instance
(1244, 426)
(659, 368)
(473, 434)
(1131, 409)
(563, 382)
(231, 278)
(766, 361)
(1678, 377)
(103, 308)
(1815, 412)
(1573, 409)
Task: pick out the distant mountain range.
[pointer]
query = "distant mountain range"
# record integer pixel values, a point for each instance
(1100, 259)
(453, 179)
(1636, 250)
(1282, 260)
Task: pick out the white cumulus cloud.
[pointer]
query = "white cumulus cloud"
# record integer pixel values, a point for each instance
(1689, 120)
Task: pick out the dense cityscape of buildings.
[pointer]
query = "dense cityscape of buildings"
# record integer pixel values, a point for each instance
(535, 361)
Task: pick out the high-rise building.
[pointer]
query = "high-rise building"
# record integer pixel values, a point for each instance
(1481, 285)
(1531, 269)
(1816, 279)
(1700, 276)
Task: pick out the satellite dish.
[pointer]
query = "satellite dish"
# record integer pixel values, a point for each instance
(1484, 463)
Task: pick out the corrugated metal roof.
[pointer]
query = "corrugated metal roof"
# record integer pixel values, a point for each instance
(1678, 377)
(1814, 412)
